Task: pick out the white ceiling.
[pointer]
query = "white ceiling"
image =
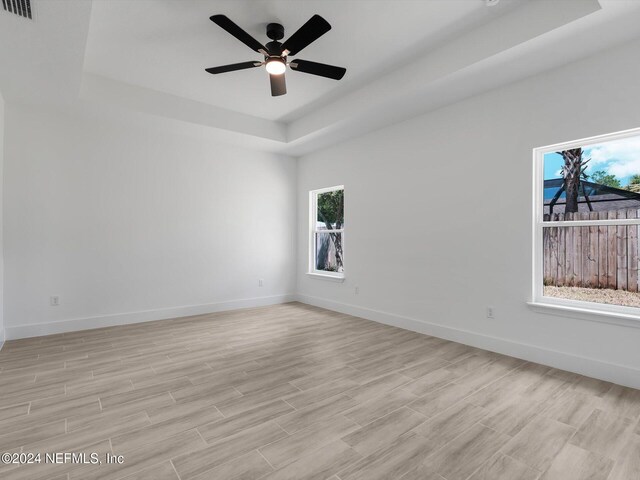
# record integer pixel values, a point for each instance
(165, 45)
(146, 58)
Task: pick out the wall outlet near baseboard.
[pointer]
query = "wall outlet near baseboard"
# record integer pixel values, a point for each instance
(356, 290)
(261, 282)
(54, 300)
(490, 312)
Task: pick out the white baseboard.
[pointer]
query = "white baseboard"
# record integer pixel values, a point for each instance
(76, 324)
(611, 372)
(1, 338)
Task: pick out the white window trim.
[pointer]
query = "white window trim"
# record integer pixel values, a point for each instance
(327, 276)
(312, 272)
(627, 316)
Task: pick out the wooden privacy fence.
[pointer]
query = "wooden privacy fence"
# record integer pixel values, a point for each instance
(598, 256)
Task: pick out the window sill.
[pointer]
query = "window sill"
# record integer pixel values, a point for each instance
(592, 315)
(331, 278)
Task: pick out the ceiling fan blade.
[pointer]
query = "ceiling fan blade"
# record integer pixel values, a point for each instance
(314, 68)
(233, 67)
(278, 85)
(224, 22)
(308, 33)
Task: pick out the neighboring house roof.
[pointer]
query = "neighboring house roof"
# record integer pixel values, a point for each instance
(593, 197)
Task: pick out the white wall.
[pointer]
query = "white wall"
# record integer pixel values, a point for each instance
(438, 216)
(2, 333)
(128, 224)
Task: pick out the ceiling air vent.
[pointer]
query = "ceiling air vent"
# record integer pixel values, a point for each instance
(19, 7)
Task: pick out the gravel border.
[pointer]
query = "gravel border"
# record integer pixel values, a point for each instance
(597, 295)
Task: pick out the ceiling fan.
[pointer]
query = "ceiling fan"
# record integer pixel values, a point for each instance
(276, 53)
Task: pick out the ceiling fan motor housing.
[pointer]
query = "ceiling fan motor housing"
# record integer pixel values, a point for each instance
(274, 48)
(275, 31)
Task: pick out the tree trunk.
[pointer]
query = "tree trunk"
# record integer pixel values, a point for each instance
(337, 242)
(572, 171)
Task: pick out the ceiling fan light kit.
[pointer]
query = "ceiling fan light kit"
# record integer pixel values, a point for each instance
(275, 53)
(275, 66)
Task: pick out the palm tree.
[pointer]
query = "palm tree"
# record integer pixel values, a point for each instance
(572, 172)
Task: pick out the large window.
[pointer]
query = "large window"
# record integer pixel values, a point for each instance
(327, 232)
(587, 224)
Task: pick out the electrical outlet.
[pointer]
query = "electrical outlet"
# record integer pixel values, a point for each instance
(54, 300)
(261, 282)
(490, 312)
(356, 290)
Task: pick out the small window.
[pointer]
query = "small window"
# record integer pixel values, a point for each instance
(327, 232)
(587, 224)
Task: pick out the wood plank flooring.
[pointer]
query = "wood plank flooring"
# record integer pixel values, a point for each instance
(297, 392)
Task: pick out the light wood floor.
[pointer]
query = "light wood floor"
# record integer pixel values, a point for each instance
(295, 392)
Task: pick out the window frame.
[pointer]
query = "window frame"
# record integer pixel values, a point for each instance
(313, 213)
(578, 307)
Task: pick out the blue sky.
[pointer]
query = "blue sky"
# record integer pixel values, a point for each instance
(618, 157)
